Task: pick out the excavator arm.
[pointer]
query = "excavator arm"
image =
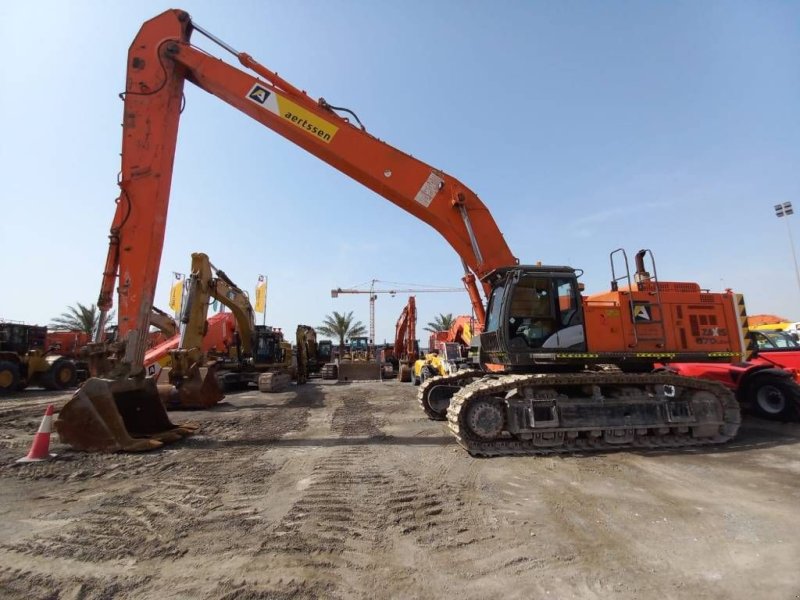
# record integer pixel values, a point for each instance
(400, 333)
(405, 338)
(207, 282)
(160, 60)
(163, 322)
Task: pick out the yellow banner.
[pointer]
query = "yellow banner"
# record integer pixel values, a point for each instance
(176, 293)
(261, 295)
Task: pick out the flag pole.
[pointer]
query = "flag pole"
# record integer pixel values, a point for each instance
(261, 297)
(266, 289)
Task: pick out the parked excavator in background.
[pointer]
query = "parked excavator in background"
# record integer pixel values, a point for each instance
(559, 371)
(306, 351)
(26, 360)
(316, 353)
(258, 355)
(324, 357)
(406, 348)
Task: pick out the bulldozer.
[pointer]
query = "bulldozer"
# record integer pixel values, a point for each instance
(25, 360)
(358, 361)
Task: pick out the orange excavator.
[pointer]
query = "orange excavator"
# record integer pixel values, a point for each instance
(559, 370)
(405, 339)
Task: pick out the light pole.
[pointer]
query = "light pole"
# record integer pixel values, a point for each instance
(784, 210)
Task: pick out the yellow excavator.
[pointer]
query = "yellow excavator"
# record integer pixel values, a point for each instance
(259, 354)
(542, 386)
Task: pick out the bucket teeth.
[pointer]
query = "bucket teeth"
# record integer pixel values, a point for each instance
(117, 416)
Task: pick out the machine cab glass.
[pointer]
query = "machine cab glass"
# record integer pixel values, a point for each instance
(543, 311)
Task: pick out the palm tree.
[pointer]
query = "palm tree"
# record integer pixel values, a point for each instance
(341, 326)
(442, 322)
(82, 318)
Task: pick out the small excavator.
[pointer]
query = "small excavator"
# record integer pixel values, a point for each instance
(405, 340)
(558, 370)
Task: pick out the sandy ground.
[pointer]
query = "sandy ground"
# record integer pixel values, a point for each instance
(347, 491)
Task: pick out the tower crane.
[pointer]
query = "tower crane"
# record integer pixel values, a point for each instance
(373, 295)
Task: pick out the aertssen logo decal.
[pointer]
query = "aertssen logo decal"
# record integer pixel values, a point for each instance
(294, 113)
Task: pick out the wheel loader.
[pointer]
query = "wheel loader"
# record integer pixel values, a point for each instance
(26, 361)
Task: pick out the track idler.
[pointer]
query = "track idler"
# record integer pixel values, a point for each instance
(117, 416)
(434, 394)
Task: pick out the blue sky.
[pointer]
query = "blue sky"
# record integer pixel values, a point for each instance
(583, 126)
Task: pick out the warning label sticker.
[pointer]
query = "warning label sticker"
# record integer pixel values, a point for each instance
(429, 189)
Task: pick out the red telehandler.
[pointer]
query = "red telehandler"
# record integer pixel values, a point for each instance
(560, 371)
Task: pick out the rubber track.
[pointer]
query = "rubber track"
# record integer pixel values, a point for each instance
(422, 396)
(520, 447)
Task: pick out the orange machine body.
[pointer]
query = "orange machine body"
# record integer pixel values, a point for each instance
(679, 319)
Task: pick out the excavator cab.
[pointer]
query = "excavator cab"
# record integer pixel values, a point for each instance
(267, 347)
(533, 312)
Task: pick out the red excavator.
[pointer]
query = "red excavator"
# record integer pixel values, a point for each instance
(559, 370)
(405, 339)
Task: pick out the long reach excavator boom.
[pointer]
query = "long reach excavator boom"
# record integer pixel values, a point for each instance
(557, 370)
(160, 60)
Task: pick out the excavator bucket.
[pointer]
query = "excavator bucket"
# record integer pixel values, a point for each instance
(117, 416)
(197, 391)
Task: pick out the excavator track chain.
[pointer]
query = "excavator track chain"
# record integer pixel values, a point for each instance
(435, 405)
(609, 411)
(329, 371)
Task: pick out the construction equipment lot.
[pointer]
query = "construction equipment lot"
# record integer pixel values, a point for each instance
(348, 491)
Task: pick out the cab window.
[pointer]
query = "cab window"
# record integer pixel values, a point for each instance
(495, 306)
(532, 313)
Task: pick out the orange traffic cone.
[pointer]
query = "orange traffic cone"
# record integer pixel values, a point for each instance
(41, 441)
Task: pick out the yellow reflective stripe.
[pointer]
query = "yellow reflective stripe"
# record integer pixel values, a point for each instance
(741, 313)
